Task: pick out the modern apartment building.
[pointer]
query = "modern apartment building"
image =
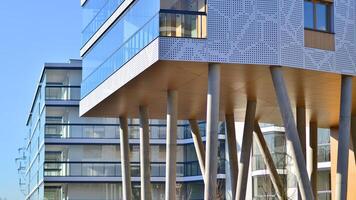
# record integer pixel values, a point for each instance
(68, 157)
(76, 158)
(283, 62)
(260, 183)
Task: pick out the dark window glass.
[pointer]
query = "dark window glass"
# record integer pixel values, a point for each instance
(308, 15)
(187, 5)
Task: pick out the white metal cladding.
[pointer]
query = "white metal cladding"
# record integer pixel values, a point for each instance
(269, 32)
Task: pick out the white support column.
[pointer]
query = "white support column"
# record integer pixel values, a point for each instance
(232, 148)
(145, 155)
(125, 159)
(244, 162)
(267, 157)
(171, 144)
(198, 144)
(292, 135)
(344, 138)
(313, 162)
(212, 123)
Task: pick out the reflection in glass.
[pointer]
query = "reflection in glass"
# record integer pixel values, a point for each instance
(321, 16)
(308, 15)
(318, 15)
(187, 5)
(182, 25)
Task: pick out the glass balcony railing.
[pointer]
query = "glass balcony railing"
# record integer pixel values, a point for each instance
(81, 131)
(323, 152)
(106, 11)
(62, 93)
(191, 25)
(279, 160)
(113, 169)
(124, 53)
(103, 131)
(100, 169)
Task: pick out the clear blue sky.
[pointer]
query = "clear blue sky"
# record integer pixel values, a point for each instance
(31, 33)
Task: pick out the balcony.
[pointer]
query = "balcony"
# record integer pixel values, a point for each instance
(279, 159)
(113, 169)
(67, 131)
(98, 20)
(62, 93)
(103, 131)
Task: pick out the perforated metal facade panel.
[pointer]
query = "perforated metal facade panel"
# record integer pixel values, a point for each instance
(268, 32)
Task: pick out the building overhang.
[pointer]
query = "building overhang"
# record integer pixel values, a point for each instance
(318, 91)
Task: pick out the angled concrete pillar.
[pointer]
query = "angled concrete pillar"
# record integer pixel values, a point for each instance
(171, 144)
(267, 157)
(232, 148)
(313, 162)
(244, 162)
(212, 123)
(292, 136)
(145, 155)
(344, 138)
(353, 134)
(125, 159)
(198, 144)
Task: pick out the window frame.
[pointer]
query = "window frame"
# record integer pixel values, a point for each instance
(329, 16)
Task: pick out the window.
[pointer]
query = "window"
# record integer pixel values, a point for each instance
(318, 15)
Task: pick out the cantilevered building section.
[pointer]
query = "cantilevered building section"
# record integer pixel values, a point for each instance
(284, 62)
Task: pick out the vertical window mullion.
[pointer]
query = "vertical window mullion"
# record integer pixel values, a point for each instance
(314, 15)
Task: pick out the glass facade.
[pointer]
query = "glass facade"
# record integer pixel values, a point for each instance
(95, 13)
(137, 27)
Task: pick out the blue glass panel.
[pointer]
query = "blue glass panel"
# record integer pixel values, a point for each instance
(90, 10)
(97, 17)
(308, 15)
(321, 17)
(124, 53)
(128, 24)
